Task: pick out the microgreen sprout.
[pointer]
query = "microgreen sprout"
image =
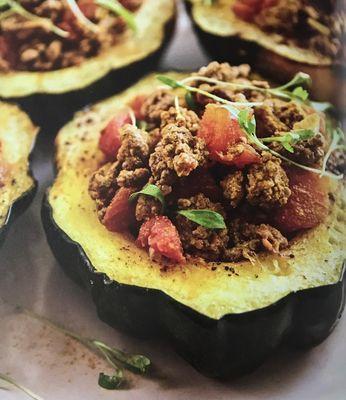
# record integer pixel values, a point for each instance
(174, 84)
(117, 8)
(293, 90)
(114, 357)
(290, 138)
(14, 7)
(8, 380)
(248, 123)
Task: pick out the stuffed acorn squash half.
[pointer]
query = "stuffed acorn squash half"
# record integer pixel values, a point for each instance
(208, 209)
(17, 186)
(84, 49)
(279, 38)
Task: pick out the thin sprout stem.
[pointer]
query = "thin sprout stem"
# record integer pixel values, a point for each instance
(132, 117)
(81, 17)
(24, 389)
(17, 8)
(234, 85)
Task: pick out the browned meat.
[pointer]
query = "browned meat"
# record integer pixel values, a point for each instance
(267, 122)
(161, 100)
(185, 118)
(133, 157)
(249, 239)
(233, 187)
(224, 72)
(198, 241)
(147, 207)
(177, 154)
(103, 186)
(267, 183)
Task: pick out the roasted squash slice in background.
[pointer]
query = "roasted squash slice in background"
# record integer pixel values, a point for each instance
(17, 186)
(230, 38)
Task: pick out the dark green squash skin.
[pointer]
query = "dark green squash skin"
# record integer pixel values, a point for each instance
(234, 345)
(17, 208)
(51, 111)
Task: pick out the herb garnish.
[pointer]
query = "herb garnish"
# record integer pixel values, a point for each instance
(174, 84)
(150, 190)
(116, 7)
(293, 90)
(290, 138)
(19, 386)
(207, 218)
(109, 382)
(116, 358)
(14, 7)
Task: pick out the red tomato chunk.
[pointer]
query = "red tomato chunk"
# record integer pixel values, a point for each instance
(162, 238)
(120, 213)
(222, 132)
(110, 140)
(308, 204)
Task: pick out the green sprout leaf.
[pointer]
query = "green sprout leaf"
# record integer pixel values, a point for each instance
(247, 121)
(116, 7)
(190, 101)
(17, 8)
(300, 79)
(300, 93)
(19, 386)
(114, 357)
(207, 218)
(150, 190)
(291, 138)
(173, 83)
(110, 382)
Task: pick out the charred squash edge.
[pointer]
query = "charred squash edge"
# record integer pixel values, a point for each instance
(22, 202)
(233, 344)
(329, 80)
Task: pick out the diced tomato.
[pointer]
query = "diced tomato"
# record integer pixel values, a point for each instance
(136, 105)
(110, 140)
(162, 239)
(221, 131)
(248, 9)
(88, 8)
(308, 204)
(120, 213)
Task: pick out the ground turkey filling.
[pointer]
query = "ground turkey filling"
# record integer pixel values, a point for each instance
(26, 45)
(180, 150)
(316, 24)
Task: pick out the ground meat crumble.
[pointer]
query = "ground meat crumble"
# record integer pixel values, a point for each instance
(29, 46)
(173, 155)
(177, 154)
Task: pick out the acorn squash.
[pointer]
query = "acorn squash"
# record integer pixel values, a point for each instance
(151, 20)
(227, 37)
(17, 186)
(224, 318)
